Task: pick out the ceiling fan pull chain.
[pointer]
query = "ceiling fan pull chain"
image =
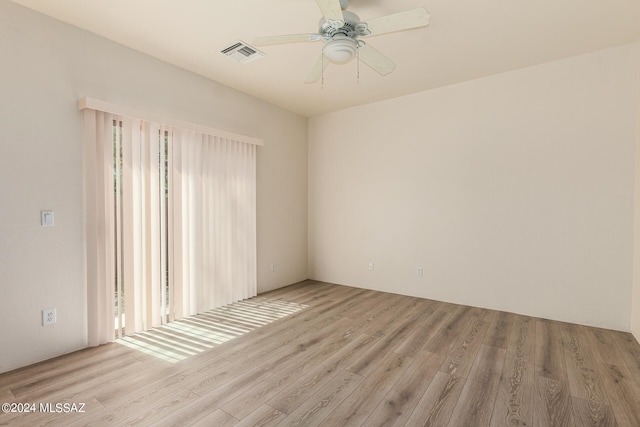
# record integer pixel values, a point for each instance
(358, 66)
(322, 79)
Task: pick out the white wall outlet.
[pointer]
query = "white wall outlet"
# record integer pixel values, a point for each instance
(273, 267)
(370, 266)
(48, 316)
(419, 272)
(46, 218)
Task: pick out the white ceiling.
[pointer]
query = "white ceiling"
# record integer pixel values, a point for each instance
(466, 39)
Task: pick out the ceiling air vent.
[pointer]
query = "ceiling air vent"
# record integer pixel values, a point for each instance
(242, 52)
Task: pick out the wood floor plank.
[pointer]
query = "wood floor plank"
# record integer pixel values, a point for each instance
(284, 371)
(77, 393)
(145, 409)
(397, 332)
(553, 403)
(263, 416)
(355, 408)
(436, 405)
(522, 342)
(499, 332)
(629, 349)
(77, 379)
(592, 414)
(310, 292)
(334, 303)
(423, 332)
(398, 404)
(44, 375)
(379, 326)
(315, 409)
(209, 400)
(377, 308)
(515, 398)
(461, 358)
(549, 356)
(620, 382)
(150, 382)
(373, 306)
(447, 336)
(359, 304)
(6, 395)
(322, 354)
(295, 394)
(476, 402)
(60, 365)
(603, 346)
(445, 306)
(514, 401)
(583, 377)
(295, 341)
(217, 418)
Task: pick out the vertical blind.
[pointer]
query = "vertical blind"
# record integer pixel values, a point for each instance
(170, 223)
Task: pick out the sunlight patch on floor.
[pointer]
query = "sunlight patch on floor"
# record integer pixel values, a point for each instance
(187, 337)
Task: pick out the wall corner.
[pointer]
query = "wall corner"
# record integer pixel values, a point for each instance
(635, 291)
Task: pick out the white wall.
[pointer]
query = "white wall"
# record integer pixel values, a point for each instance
(513, 192)
(46, 67)
(635, 298)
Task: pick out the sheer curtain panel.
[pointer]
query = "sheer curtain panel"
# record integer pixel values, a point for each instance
(170, 223)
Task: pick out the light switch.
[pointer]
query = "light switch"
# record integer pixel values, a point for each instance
(47, 218)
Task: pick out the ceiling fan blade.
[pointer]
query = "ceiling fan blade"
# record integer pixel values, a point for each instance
(291, 38)
(316, 71)
(332, 12)
(406, 20)
(376, 60)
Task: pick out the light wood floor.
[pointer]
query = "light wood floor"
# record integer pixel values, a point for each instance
(322, 354)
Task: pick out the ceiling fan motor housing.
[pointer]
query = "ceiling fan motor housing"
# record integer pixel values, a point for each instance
(342, 44)
(350, 28)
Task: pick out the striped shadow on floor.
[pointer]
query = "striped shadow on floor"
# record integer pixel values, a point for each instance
(187, 337)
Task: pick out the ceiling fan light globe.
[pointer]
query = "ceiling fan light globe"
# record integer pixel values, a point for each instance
(340, 50)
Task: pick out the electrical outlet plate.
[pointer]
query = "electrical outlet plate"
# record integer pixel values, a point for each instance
(48, 316)
(419, 272)
(46, 218)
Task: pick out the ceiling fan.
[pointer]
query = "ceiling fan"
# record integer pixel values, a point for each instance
(341, 30)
